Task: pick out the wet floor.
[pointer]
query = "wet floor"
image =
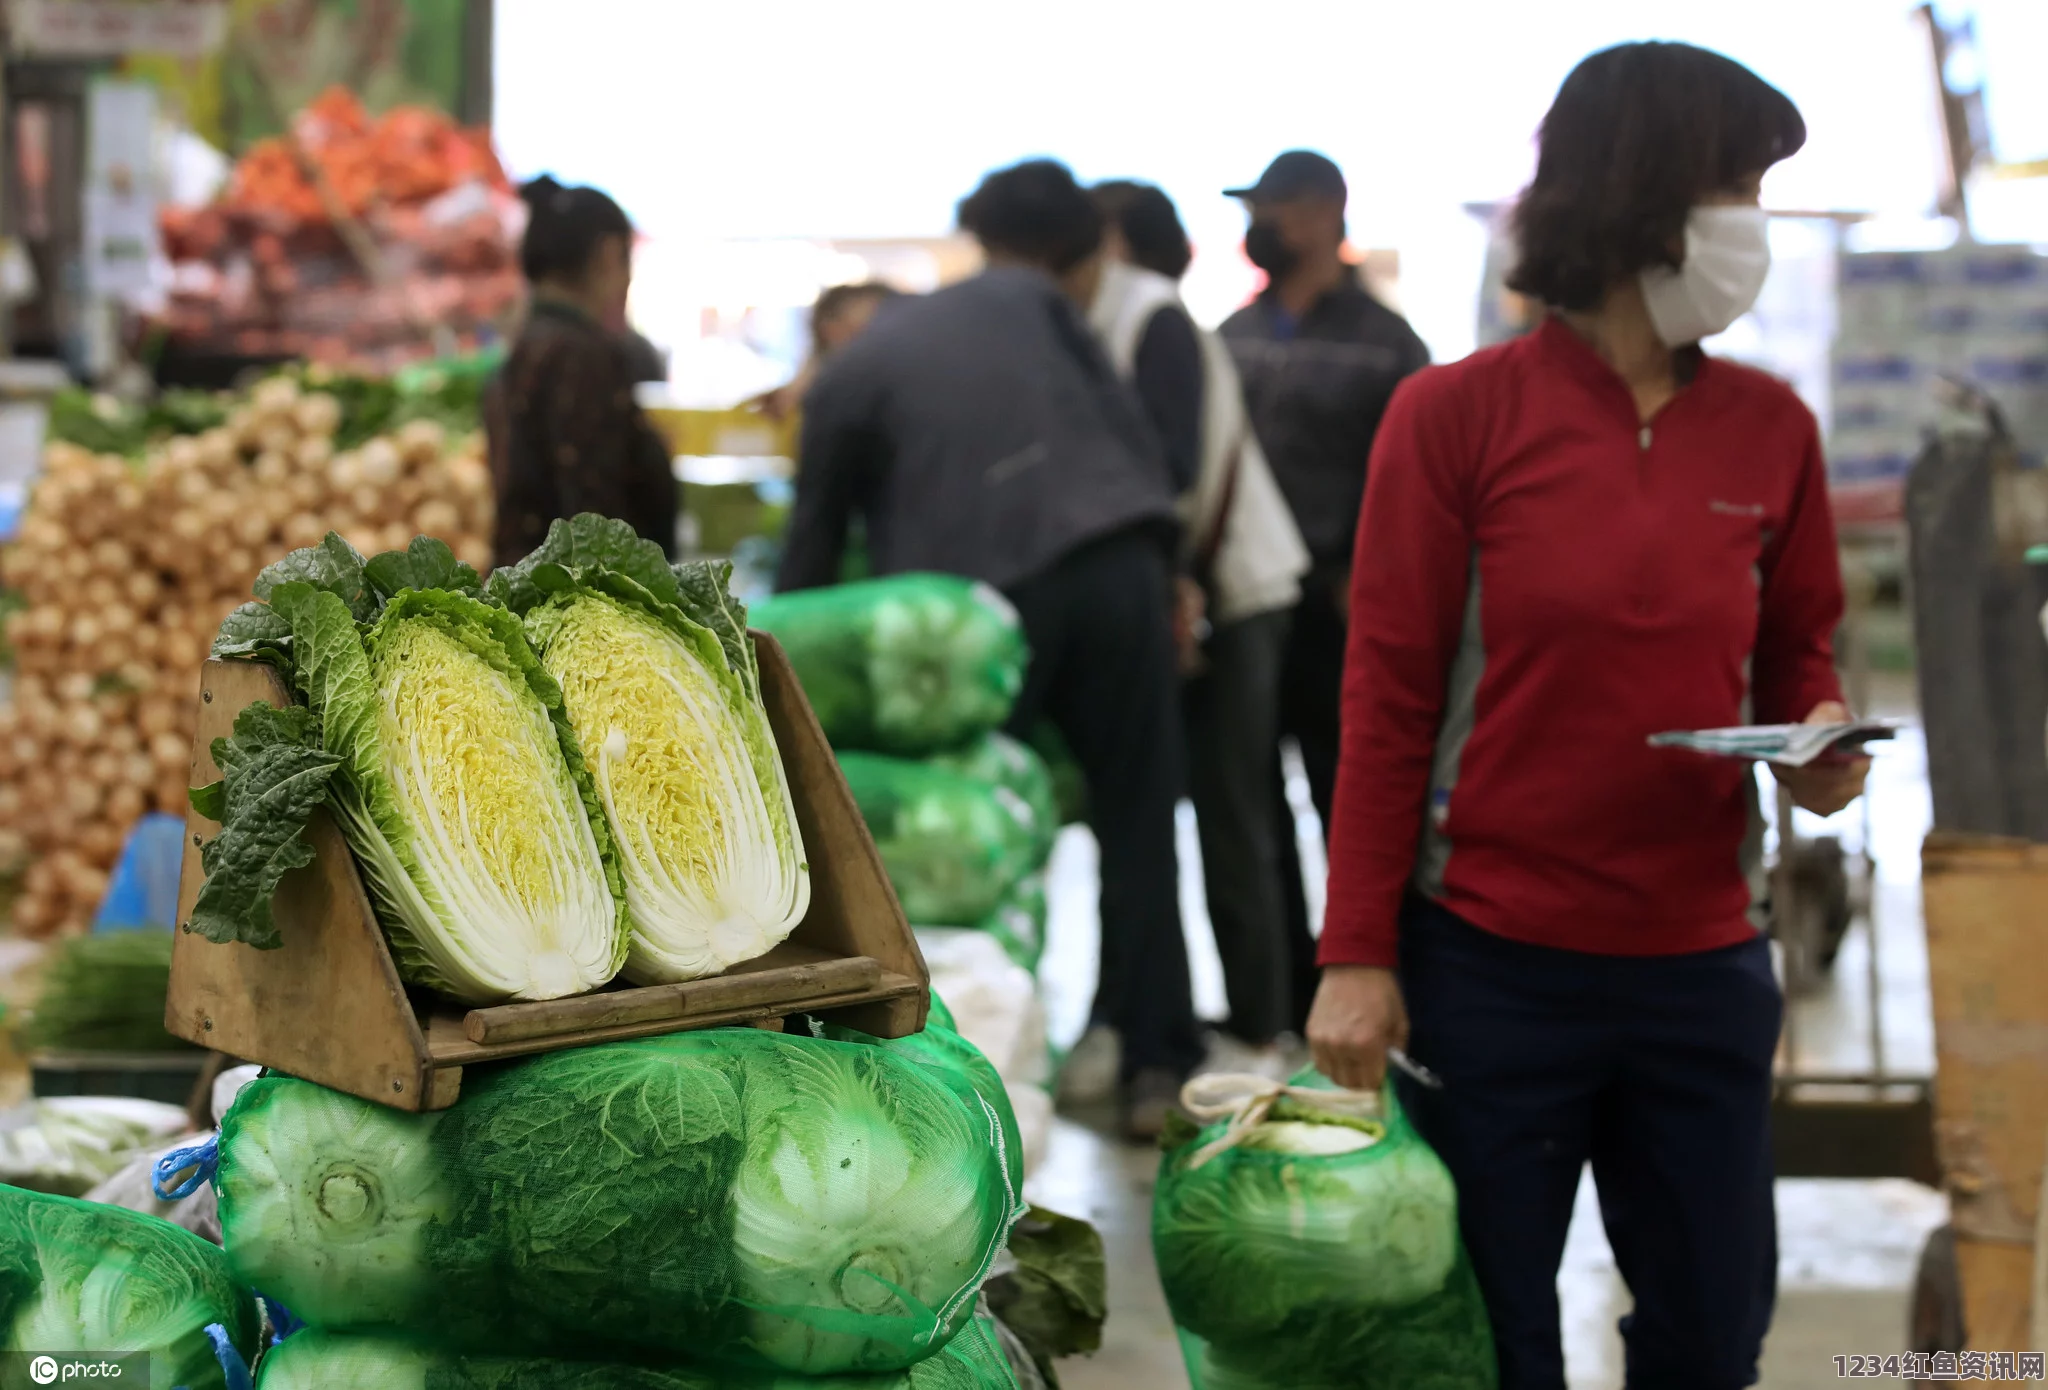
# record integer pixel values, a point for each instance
(1847, 1249)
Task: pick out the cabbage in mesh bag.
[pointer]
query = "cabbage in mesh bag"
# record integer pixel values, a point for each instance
(912, 664)
(76, 1276)
(315, 1360)
(1002, 761)
(952, 845)
(1306, 1259)
(738, 1196)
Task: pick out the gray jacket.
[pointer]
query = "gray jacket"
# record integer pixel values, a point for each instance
(977, 431)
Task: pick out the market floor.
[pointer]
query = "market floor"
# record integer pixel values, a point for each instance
(1847, 1249)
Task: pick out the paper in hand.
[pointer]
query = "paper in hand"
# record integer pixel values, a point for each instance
(1786, 745)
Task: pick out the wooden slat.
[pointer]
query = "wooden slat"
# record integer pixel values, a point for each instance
(1997, 1282)
(789, 985)
(449, 1050)
(1985, 901)
(854, 911)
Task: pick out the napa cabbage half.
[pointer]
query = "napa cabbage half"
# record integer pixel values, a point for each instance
(459, 785)
(661, 687)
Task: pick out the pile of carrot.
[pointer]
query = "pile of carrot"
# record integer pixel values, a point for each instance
(264, 270)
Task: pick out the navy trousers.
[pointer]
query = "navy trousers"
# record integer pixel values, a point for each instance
(1657, 1071)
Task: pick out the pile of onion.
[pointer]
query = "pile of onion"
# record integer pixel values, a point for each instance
(127, 569)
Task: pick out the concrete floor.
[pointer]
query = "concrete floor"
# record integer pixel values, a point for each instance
(1847, 1249)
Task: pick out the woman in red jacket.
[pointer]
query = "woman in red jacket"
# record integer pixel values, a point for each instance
(1569, 543)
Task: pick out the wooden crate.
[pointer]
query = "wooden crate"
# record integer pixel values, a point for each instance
(1986, 904)
(328, 1004)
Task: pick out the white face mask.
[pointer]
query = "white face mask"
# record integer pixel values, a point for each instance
(1727, 256)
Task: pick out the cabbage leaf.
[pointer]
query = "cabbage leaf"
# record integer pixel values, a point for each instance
(274, 773)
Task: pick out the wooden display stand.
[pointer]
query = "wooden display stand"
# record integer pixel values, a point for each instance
(1986, 904)
(328, 1004)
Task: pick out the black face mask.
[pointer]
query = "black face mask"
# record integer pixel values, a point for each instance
(1265, 249)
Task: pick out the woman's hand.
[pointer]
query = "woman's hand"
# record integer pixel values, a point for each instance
(1827, 784)
(1358, 1015)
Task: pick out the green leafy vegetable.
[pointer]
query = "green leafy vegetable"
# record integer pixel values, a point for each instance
(274, 774)
(667, 708)
(1057, 1297)
(911, 665)
(105, 992)
(333, 566)
(733, 1196)
(77, 1276)
(255, 632)
(427, 563)
(1301, 1262)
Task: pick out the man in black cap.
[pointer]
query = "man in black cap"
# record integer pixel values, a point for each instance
(1320, 357)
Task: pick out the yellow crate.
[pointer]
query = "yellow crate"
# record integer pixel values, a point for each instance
(741, 432)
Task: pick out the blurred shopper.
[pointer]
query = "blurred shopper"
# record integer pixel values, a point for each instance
(1244, 558)
(1570, 542)
(565, 433)
(838, 316)
(980, 431)
(1320, 356)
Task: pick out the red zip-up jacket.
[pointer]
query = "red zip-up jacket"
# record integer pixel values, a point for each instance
(1541, 582)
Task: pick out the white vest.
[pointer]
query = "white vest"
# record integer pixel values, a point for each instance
(1260, 558)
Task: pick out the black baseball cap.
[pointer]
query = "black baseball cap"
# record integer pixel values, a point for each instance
(1296, 174)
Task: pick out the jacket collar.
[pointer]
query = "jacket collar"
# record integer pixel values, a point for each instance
(1556, 342)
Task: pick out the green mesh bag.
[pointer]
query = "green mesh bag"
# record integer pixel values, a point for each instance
(734, 1196)
(910, 665)
(81, 1277)
(1290, 1264)
(963, 1069)
(1018, 922)
(1002, 761)
(316, 1360)
(952, 845)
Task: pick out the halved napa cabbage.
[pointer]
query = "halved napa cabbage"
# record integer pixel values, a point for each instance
(660, 685)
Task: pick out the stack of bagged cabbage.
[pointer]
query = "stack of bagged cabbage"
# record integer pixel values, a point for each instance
(912, 678)
(724, 1208)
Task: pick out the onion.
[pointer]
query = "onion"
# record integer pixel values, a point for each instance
(436, 519)
(275, 393)
(381, 462)
(318, 414)
(345, 473)
(422, 441)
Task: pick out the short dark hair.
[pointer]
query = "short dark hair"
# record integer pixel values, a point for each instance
(1639, 133)
(1150, 225)
(564, 227)
(1036, 212)
(835, 300)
